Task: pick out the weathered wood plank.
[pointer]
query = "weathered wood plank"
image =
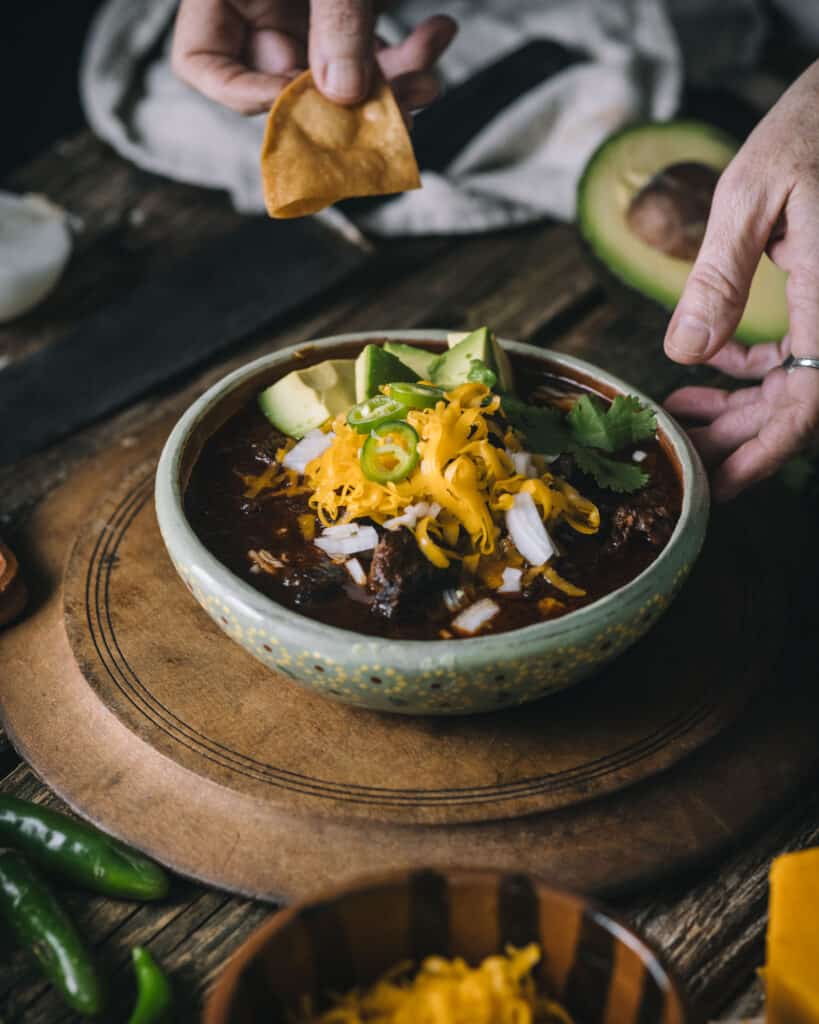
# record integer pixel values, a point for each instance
(713, 930)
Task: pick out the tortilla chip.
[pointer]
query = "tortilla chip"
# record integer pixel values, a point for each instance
(316, 152)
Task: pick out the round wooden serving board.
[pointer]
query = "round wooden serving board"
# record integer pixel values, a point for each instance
(158, 663)
(147, 719)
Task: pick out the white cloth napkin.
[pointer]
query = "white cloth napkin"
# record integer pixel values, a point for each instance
(521, 167)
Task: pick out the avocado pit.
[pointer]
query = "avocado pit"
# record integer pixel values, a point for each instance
(670, 211)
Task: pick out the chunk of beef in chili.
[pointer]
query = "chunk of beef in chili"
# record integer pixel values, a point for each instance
(644, 514)
(312, 580)
(307, 572)
(400, 574)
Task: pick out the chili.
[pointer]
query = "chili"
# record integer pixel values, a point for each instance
(40, 924)
(154, 994)
(79, 853)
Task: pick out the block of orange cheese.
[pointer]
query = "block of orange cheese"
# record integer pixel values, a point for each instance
(792, 961)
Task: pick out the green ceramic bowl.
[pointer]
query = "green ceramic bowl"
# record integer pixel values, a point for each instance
(411, 676)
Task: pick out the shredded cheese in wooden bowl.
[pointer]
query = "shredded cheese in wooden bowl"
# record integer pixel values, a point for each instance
(501, 990)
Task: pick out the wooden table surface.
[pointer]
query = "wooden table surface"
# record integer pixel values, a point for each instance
(533, 284)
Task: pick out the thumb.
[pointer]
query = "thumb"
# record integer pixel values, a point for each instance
(341, 48)
(715, 294)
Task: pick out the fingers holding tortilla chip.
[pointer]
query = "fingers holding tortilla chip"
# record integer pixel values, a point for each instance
(316, 152)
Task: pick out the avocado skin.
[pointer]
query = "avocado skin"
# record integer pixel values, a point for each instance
(618, 284)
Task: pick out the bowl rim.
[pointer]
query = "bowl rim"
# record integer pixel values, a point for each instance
(226, 983)
(171, 515)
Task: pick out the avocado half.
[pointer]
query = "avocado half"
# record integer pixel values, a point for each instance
(618, 170)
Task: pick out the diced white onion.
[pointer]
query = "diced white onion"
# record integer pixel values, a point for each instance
(354, 568)
(411, 514)
(364, 539)
(639, 456)
(341, 530)
(527, 531)
(511, 581)
(35, 244)
(310, 447)
(476, 616)
(523, 462)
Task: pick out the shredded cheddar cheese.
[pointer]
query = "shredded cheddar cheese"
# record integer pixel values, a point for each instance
(472, 480)
(500, 991)
(270, 479)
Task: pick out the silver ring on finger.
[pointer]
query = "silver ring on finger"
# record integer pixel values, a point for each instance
(796, 362)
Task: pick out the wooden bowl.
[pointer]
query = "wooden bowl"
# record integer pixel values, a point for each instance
(595, 965)
(421, 677)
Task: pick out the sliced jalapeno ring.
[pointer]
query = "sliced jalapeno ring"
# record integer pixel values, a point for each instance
(416, 396)
(374, 411)
(390, 453)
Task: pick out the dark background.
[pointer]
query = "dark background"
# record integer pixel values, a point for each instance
(40, 46)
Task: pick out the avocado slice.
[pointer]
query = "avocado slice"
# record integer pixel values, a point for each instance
(639, 163)
(375, 367)
(417, 359)
(453, 367)
(304, 399)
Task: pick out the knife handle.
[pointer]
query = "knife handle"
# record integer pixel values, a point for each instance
(442, 130)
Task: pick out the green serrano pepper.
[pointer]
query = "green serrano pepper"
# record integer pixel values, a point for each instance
(78, 852)
(372, 411)
(41, 925)
(390, 453)
(154, 995)
(416, 396)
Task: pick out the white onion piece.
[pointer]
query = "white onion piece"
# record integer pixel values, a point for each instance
(310, 447)
(35, 243)
(473, 618)
(341, 530)
(511, 581)
(339, 547)
(639, 456)
(527, 531)
(411, 514)
(523, 462)
(355, 569)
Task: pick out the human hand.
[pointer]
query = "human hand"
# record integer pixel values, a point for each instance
(766, 199)
(242, 53)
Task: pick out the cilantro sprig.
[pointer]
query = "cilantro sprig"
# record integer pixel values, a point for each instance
(611, 428)
(588, 431)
